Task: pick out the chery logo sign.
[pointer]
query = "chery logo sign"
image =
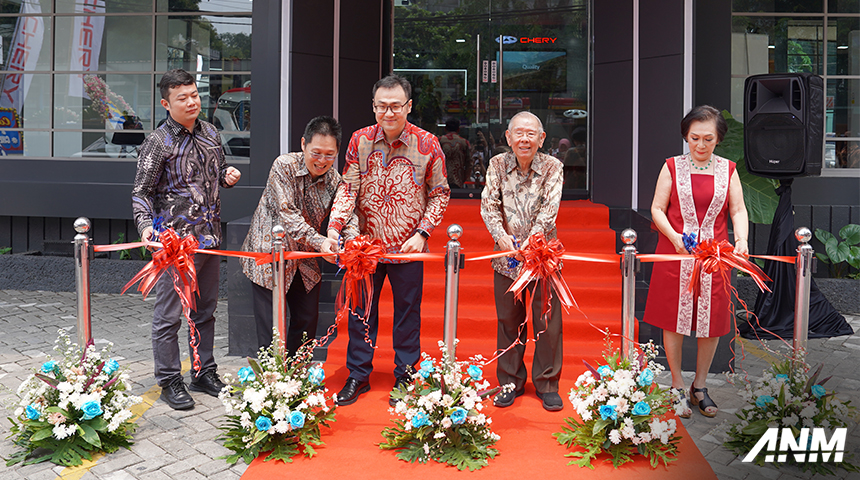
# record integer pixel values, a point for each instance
(507, 39)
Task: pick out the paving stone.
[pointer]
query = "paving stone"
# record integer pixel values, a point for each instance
(156, 475)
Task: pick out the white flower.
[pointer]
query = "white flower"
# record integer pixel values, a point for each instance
(426, 449)
(628, 431)
(245, 420)
(255, 398)
(615, 436)
(439, 435)
(586, 415)
(446, 422)
(790, 420)
(62, 431)
(637, 396)
(282, 427)
(809, 411)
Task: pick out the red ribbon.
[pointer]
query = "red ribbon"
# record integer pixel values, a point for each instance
(358, 258)
(712, 257)
(179, 254)
(541, 262)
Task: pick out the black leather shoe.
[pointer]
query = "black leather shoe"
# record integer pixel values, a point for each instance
(207, 382)
(402, 382)
(351, 390)
(551, 401)
(175, 395)
(506, 399)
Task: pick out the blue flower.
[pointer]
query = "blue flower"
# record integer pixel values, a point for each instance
(763, 400)
(91, 410)
(246, 374)
(608, 412)
(420, 419)
(423, 373)
(782, 377)
(428, 365)
(316, 375)
(690, 242)
(641, 408)
(458, 416)
(110, 367)
(297, 419)
(645, 378)
(49, 367)
(32, 413)
(818, 391)
(475, 372)
(263, 423)
(605, 371)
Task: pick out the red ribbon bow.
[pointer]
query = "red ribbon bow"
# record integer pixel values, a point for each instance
(712, 257)
(542, 261)
(179, 254)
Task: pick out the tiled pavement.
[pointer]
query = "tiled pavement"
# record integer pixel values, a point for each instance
(172, 444)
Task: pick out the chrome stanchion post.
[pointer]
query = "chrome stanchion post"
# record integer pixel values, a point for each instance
(452, 285)
(804, 282)
(83, 255)
(279, 294)
(628, 292)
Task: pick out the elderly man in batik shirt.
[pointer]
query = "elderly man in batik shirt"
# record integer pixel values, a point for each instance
(179, 169)
(395, 181)
(298, 196)
(520, 199)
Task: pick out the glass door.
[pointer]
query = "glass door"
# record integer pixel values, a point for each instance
(473, 64)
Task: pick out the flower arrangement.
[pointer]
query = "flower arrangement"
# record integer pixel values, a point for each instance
(277, 406)
(104, 98)
(786, 396)
(442, 417)
(73, 406)
(621, 412)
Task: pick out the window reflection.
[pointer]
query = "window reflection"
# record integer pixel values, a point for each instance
(204, 43)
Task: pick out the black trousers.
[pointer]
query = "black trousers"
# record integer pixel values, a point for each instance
(303, 313)
(547, 362)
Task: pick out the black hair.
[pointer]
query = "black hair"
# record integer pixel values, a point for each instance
(172, 79)
(452, 125)
(323, 125)
(705, 113)
(393, 81)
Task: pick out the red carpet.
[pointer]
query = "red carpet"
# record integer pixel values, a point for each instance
(526, 429)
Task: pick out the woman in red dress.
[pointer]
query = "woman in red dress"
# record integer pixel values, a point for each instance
(696, 193)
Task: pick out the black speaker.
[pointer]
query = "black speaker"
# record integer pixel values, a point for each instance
(784, 124)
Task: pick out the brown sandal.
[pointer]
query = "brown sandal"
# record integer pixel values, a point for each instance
(704, 403)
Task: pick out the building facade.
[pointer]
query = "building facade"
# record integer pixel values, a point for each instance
(612, 78)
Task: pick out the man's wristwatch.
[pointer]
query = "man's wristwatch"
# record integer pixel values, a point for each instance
(423, 233)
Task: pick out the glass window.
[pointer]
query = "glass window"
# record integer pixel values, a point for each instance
(842, 108)
(204, 43)
(26, 6)
(843, 6)
(104, 6)
(207, 6)
(779, 6)
(543, 68)
(26, 43)
(782, 44)
(117, 43)
(102, 101)
(843, 46)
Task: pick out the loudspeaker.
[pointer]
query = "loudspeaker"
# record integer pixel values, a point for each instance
(784, 124)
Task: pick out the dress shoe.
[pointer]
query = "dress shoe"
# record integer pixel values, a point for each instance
(351, 390)
(175, 395)
(207, 382)
(506, 398)
(402, 382)
(551, 401)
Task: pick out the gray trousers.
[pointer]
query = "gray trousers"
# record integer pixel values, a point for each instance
(168, 318)
(546, 365)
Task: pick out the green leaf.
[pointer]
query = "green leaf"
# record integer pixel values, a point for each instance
(850, 234)
(824, 236)
(759, 193)
(823, 257)
(98, 423)
(90, 435)
(854, 256)
(838, 252)
(41, 434)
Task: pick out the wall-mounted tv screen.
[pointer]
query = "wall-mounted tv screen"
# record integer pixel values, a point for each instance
(531, 70)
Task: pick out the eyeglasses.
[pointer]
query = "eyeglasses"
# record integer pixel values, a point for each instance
(396, 108)
(319, 156)
(530, 134)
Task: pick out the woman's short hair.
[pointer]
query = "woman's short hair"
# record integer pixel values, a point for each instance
(704, 113)
(323, 125)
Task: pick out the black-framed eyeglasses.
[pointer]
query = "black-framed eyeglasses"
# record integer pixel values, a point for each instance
(395, 108)
(319, 156)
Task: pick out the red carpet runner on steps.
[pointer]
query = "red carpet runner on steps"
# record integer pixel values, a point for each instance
(527, 444)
